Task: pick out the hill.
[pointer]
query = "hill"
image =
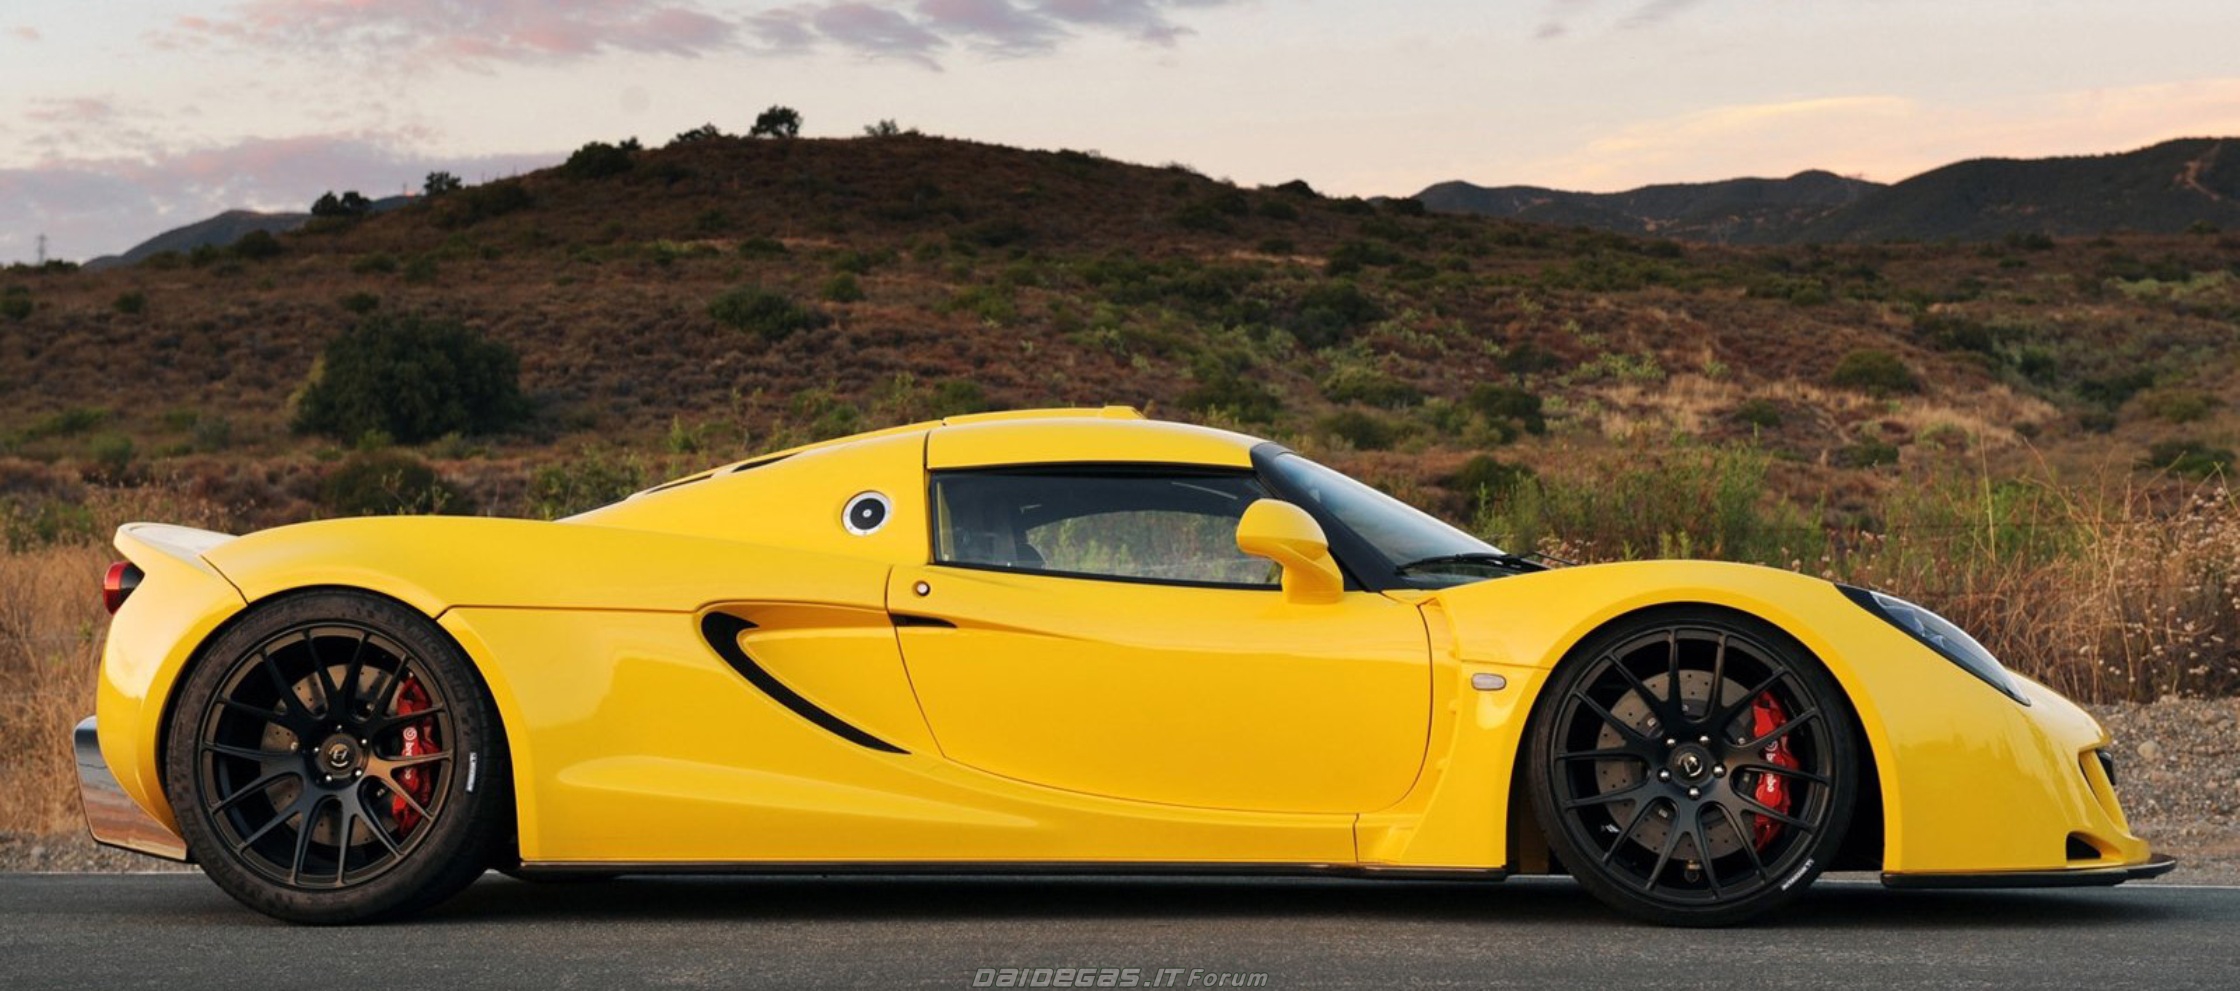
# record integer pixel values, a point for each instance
(1736, 211)
(218, 231)
(2166, 188)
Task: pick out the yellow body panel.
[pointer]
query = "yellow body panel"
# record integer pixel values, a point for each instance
(1203, 697)
(1056, 719)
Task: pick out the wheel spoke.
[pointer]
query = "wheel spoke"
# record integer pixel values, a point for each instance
(1662, 707)
(287, 691)
(303, 839)
(1782, 730)
(256, 787)
(1703, 854)
(279, 817)
(1718, 679)
(350, 674)
(1776, 815)
(400, 792)
(1672, 673)
(1620, 753)
(1607, 797)
(1640, 813)
(1743, 837)
(1625, 729)
(319, 676)
(246, 753)
(371, 816)
(391, 765)
(1664, 856)
(1725, 714)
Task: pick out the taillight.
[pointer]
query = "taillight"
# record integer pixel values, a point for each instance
(118, 584)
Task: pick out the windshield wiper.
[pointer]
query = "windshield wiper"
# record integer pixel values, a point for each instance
(1513, 562)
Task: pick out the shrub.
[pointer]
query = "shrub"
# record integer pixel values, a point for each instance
(1369, 387)
(597, 160)
(1363, 430)
(1761, 413)
(378, 263)
(958, 396)
(2177, 405)
(386, 483)
(441, 183)
(414, 379)
(15, 302)
(705, 132)
(768, 314)
(763, 247)
(360, 303)
(476, 204)
(1868, 453)
(421, 270)
(887, 128)
(1351, 256)
(1508, 409)
(2189, 458)
(1223, 386)
(1875, 372)
(843, 288)
(1278, 210)
(1487, 478)
(131, 303)
(587, 481)
(776, 122)
(112, 457)
(257, 246)
(1330, 312)
(344, 207)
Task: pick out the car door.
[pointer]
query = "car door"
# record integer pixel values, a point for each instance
(1095, 629)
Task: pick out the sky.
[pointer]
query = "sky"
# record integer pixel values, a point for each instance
(120, 119)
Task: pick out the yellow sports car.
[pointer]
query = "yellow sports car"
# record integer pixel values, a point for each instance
(1052, 641)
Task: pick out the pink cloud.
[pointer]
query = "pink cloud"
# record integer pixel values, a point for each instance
(465, 31)
(25, 32)
(878, 31)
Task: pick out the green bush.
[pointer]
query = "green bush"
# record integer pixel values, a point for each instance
(360, 303)
(1363, 430)
(1485, 479)
(776, 122)
(414, 379)
(762, 247)
(2188, 458)
(1225, 386)
(475, 204)
(843, 288)
(1508, 409)
(1868, 453)
(1330, 312)
(768, 314)
(1761, 413)
(15, 302)
(131, 303)
(421, 270)
(597, 160)
(1369, 387)
(386, 483)
(257, 246)
(112, 457)
(1875, 372)
(590, 480)
(378, 263)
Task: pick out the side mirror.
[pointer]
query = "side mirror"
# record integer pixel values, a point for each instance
(1285, 534)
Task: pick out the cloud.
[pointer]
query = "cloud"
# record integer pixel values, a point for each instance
(462, 32)
(25, 32)
(103, 205)
(411, 34)
(1647, 13)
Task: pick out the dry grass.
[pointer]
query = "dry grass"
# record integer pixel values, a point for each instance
(51, 627)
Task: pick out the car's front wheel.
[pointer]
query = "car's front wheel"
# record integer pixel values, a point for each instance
(333, 758)
(1693, 767)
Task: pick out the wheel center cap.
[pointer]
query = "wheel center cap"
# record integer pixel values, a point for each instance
(338, 755)
(1691, 763)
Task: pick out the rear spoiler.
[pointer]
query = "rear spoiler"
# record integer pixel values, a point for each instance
(161, 547)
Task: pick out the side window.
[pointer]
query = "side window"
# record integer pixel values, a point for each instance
(1125, 524)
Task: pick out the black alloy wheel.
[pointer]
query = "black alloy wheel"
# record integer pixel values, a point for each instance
(1693, 767)
(333, 758)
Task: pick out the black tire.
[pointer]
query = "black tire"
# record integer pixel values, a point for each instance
(333, 758)
(1655, 800)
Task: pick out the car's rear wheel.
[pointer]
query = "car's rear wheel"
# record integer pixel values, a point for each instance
(1693, 767)
(333, 758)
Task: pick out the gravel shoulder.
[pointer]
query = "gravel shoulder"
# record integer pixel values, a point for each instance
(2177, 765)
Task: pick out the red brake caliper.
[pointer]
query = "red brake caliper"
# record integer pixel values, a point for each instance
(1772, 791)
(421, 785)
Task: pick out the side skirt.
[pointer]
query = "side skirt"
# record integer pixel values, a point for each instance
(1016, 869)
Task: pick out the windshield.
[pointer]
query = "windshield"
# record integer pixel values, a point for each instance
(1396, 530)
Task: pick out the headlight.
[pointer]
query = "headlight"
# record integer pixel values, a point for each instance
(1940, 635)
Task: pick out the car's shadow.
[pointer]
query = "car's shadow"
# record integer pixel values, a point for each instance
(1834, 903)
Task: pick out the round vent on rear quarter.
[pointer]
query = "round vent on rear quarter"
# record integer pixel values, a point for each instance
(866, 512)
(117, 585)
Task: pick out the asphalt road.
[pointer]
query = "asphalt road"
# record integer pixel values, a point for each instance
(178, 931)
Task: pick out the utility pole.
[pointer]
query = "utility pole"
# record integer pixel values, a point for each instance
(42, 250)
